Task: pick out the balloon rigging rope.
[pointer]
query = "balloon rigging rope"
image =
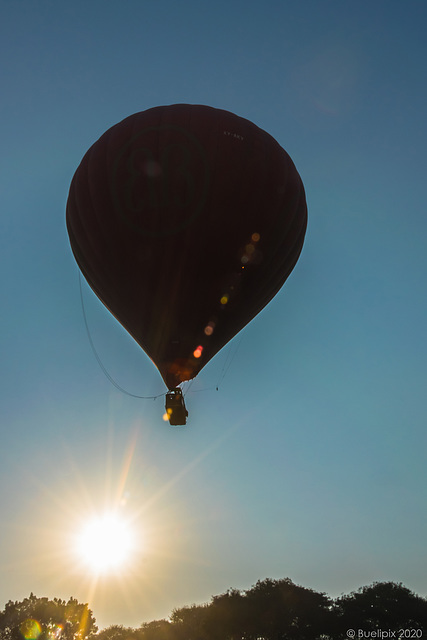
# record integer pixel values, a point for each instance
(98, 359)
(228, 361)
(231, 354)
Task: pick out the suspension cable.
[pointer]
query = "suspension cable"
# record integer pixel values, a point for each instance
(98, 359)
(228, 361)
(231, 354)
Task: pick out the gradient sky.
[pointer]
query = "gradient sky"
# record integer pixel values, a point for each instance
(310, 460)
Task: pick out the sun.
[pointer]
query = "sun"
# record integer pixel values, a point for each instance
(105, 543)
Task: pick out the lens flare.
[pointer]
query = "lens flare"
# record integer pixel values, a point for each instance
(30, 629)
(56, 632)
(209, 329)
(198, 352)
(152, 169)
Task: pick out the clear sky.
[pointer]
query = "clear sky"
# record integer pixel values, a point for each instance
(310, 460)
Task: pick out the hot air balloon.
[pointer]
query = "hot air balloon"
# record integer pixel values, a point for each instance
(185, 221)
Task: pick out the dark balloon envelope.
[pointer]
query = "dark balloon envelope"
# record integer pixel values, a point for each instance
(185, 220)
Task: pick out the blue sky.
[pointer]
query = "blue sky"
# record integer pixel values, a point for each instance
(310, 460)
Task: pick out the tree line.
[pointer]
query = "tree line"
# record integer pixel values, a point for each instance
(269, 610)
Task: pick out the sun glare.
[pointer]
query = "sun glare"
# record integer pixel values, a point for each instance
(105, 543)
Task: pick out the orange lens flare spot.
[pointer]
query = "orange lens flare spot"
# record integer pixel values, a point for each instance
(255, 237)
(209, 329)
(198, 352)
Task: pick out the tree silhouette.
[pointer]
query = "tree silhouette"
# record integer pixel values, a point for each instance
(43, 619)
(156, 630)
(270, 610)
(382, 605)
(280, 609)
(227, 616)
(189, 623)
(118, 632)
